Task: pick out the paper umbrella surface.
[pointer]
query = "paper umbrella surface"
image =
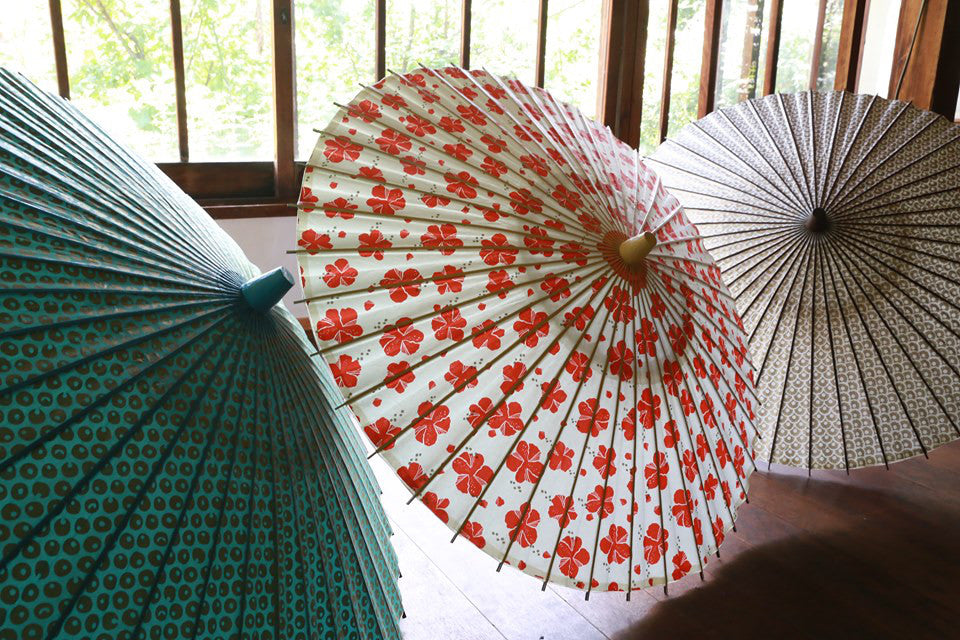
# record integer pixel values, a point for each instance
(575, 405)
(170, 461)
(834, 219)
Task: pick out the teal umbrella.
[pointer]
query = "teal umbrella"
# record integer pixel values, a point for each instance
(171, 462)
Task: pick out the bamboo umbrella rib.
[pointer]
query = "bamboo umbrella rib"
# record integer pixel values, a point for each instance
(853, 216)
(766, 130)
(717, 247)
(822, 186)
(787, 249)
(835, 175)
(806, 190)
(883, 239)
(946, 171)
(873, 244)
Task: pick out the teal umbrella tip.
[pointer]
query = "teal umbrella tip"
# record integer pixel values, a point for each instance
(266, 290)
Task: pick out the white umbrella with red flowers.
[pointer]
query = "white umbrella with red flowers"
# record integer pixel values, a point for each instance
(527, 325)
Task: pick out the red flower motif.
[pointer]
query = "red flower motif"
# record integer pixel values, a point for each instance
(459, 375)
(615, 545)
(600, 498)
(479, 412)
(393, 142)
(434, 201)
(339, 325)
(525, 462)
(574, 252)
(647, 338)
(572, 556)
(603, 462)
(443, 237)
(648, 408)
(710, 486)
(437, 505)
(523, 202)
(531, 326)
(512, 375)
(381, 431)
(536, 164)
(672, 377)
(681, 566)
(690, 468)
(394, 101)
(449, 324)
(365, 110)
(472, 474)
(494, 167)
(577, 366)
(373, 244)
(339, 273)
(621, 360)
(401, 338)
(525, 532)
(718, 530)
(506, 419)
(540, 243)
(345, 371)
(433, 422)
(567, 199)
(472, 114)
(561, 509)
(682, 508)
(402, 284)
(386, 201)
(339, 208)
(487, 335)
(412, 166)
(451, 125)
(458, 151)
(419, 126)
(461, 184)
(592, 420)
(340, 149)
(655, 543)
(618, 304)
(473, 532)
(557, 287)
(579, 317)
(307, 199)
(496, 250)
(313, 242)
(671, 435)
(656, 471)
(561, 458)
(551, 401)
(499, 280)
(449, 280)
(413, 475)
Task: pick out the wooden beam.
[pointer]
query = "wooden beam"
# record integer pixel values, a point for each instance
(711, 54)
(222, 180)
(668, 69)
(59, 48)
(817, 46)
(380, 17)
(179, 80)
(852, 28)
(285, 100)
(622, 50)
(466, 17)
(773, 47)
(928, 62)
(541, 43)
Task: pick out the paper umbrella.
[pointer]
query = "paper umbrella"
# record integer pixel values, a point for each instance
(528, 328)
(171, 464)
(834, 220)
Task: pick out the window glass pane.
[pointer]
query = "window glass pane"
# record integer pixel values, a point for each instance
(503, 38)
(336, 51)
(877, 59)
(653, 76)
(830, 45)
(573, 52)
(422, 32)
(797, 32)
(35, 61)
(120, 63)
(741, 29)
(687, 57)
(228, 60)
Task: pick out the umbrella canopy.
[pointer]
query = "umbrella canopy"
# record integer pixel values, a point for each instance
(834, 219)
(528, 328)
(171, 463)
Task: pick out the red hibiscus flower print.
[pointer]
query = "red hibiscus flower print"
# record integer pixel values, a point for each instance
(525, 462)
(577, 366)
(567, 199)
(677, 340)
(682, 508)
(458, 151)
(386, 201)
(365, 110)
(561, 458)
(523, 202)
(686, 400)
(451, 125)
(579, 317)
(382, 431)
(495, 91)
(402, 284)
(393, 142)
(473, 531)
(600, 498)
(629, 424)
(648, 408)
(621, 359)
(340, 273)
(449, 280)
(592, 420)
(399, 376)
(472, 474)
(494, 167)
(499, 280)
(572, 556)
(604, 461)
(313, 242)
(472, 114)
(710, 486)
(672, 377)
(523, 532)
(681, 566)
(419, 126)
(718, 530)
(618, 304)
(479, 412)
(345, 371)
(540, 243)
(434, 201)
(370, 173)
(394, 101)
(449, 324)
(433, 422)
(690, 467)
(655, 543)
(536, 164)
(557, 287)
(671, 435)
(574, 252)
(443, 237)
(496, 250)
(339, 325)
(531, 326)
(461, 375)
(615, 545)
(656, 471)
(412, 166)
(461, 184)
(647, 338)
(401, 338)
(527, 134)
(561, 509)
(307, 199)
(506, 419)
(373, 244)
(553, 397)
(413, 475)
(339, 208)
(340, 149)
(512, 376)
(437, 505)
(487, 335)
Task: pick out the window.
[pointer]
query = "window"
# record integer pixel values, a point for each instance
(573, 52)
(881, 33)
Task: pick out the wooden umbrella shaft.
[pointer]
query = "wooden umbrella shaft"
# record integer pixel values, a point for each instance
(634, 250)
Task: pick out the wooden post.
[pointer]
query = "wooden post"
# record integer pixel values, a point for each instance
(773, 47)
(622, 52)
(711, 54)
(179, 80)
(668, 69)
(59, 49)
(466, 17)
(931, 73)
(541, 43)
(285, 100)
(852, 28)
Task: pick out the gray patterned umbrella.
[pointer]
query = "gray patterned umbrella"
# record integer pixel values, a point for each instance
(834, 218)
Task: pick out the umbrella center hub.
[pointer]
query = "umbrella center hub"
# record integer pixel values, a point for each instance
(818, 222)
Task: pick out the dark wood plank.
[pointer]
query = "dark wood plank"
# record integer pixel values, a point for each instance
(930, 69)
(220, 180)
(179, 81)
(773, 47)
(285, 100)
(852, 28)
(668, 69)
(711, 54)
(622, 53)
(541, 42)
(466, 16)
(59, 48)
(380, 17)
(817, 45)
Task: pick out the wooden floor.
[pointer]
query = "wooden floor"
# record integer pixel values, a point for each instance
(875, 554)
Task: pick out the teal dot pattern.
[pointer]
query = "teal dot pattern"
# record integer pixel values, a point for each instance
(172, 464)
